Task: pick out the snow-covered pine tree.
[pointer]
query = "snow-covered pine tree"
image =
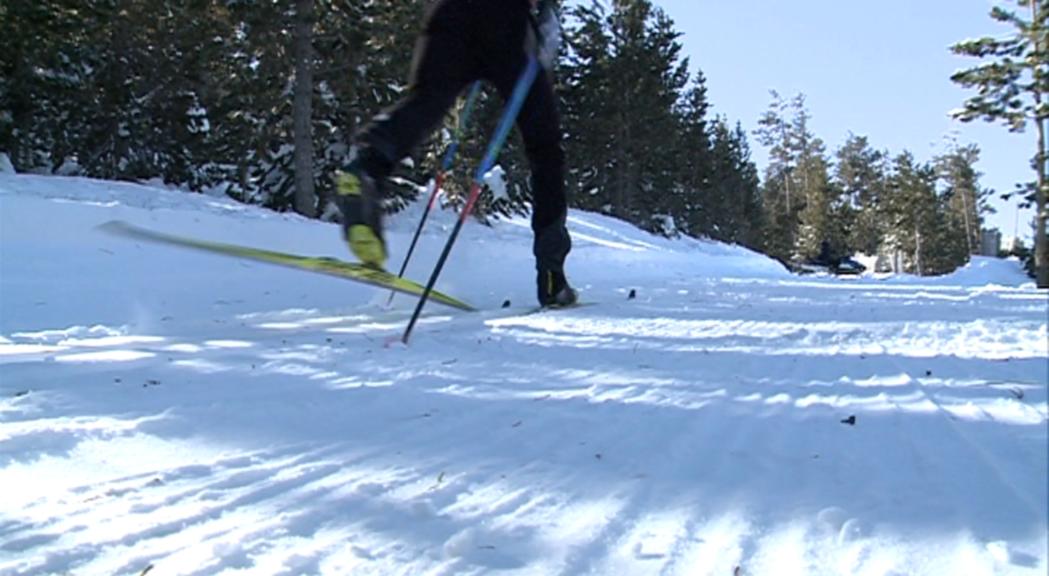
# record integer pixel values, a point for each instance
(816, 194)
(625, 80)
(587, 85)
(367, 54)
(698, 209)
(665, 178)
(860, 174)
(731, 195)
(748, 217)
(361, 56)
(799, 196)
(780, 189)
(966, 199)
(41, 45)
(139, 107)
(918, 232)
(512, 166)
(1013, 88)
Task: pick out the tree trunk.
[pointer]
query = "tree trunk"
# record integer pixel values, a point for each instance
(305, 194)
(918, 249)
(1041, 243)
(618, 201)
(22, 116)
(624, 160)
(969, 233)
(118, 99)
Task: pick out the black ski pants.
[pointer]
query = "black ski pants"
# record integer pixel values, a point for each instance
(468, 40)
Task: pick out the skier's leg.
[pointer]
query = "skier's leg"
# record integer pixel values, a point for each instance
(541, 131)
(540, 127)
(442, 67)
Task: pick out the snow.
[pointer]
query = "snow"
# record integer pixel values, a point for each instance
(986, 271)
(496, 181)
(200, 415)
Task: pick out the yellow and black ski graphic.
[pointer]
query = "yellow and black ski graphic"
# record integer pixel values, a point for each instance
(321, 265)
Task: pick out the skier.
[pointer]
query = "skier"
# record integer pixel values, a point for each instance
(463, 41)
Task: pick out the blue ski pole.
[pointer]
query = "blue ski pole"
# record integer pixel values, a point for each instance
(446, 164)
(513, 108)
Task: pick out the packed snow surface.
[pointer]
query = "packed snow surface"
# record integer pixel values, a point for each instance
(176, 412)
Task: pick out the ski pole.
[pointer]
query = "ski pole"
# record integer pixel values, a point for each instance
(513, 107)
(446, 164)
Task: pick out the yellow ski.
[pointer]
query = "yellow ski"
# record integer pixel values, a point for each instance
(319, 265)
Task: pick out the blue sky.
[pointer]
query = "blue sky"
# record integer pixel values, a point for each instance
(878, 69)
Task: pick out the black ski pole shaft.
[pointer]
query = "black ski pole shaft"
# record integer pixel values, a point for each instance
(513, 107)
(438, 182)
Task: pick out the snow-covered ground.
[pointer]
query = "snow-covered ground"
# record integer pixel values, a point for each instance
(186, 413)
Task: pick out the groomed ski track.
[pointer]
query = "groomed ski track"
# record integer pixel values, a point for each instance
(182, 413)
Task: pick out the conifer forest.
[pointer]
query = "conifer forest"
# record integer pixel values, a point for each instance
(260, 99)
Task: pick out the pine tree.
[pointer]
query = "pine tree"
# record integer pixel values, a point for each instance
(799, 196)
(966, 199)
(748, 218)
(779, 191)
(731, 206)
(43, 47)
(818, 198)
(122, 94)
(697, 206)
(305, 195)
(918, 231)
(130, 98)
(666, 177)
(207, 92)
(361, 55)
(775, 133)
(587, 88)
(616, 126)
(185, 41)
(1013, 88)
(252, 138)
(860, 174)
(368, 66)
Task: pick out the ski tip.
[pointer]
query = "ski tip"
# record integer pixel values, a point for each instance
(113, 226)
(122, 228)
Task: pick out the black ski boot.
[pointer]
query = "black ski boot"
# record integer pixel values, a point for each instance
(554, 291)
(359, 197)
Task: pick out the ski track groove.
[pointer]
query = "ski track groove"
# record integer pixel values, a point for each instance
(247, 485)
(132, 498)
(986, 457)
(199, 518)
